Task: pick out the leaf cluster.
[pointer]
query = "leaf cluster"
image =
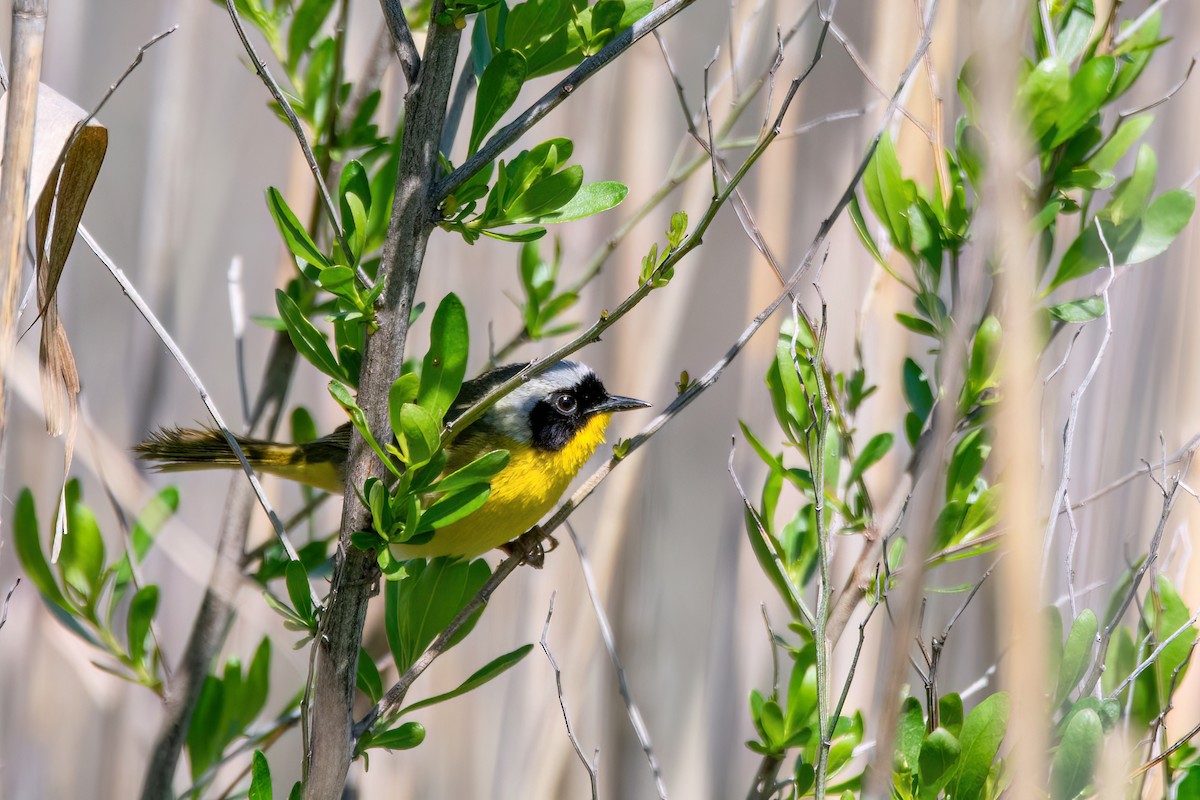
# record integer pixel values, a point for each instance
(86, 591)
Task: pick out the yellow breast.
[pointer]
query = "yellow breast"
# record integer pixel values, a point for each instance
(522, 493)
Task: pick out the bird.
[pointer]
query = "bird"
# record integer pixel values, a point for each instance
(550, 425)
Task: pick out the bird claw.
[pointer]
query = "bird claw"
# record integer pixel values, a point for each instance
(532, 547)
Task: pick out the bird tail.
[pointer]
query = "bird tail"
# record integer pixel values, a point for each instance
(181, 449)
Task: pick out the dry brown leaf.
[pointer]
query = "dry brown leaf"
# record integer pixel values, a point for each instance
(68, 150)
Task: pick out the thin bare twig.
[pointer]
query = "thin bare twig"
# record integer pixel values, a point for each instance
(1150, 659)
(1169, 496)
(1136, 25)
(858, 648)
(1133, 112)
(795, 599)
(590, 766)
(192, 376)
(610, 644)
(1060, 492)
(272, 85)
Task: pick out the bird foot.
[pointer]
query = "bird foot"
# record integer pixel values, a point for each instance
(532, 547)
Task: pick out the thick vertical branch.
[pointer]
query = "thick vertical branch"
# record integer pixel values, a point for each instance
(28, 31)
(355, 571)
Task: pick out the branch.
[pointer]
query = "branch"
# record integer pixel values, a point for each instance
(1060, 493)
(402, 40)
(610, 644)
(676, 177)
(1150, 659)
(328, 750)
(28, 32)
(260, 67)
(590, 766)
(192, 376)
(549, 101)
(1169, 497)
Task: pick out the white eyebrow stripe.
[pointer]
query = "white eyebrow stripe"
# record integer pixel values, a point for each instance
(510, 416)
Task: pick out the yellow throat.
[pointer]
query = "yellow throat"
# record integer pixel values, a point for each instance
(522, 493)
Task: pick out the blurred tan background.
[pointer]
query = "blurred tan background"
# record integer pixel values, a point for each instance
(192, 149)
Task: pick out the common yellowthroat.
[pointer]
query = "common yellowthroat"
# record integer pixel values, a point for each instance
(550, 427)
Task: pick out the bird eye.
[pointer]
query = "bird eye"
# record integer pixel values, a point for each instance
(565, 404)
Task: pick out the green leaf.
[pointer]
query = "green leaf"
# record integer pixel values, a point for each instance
(985, 354)
(1127, 132)
(981, 515)
(403, 391)
(307, 340)
(1130, 198)
(802, 692)
(1077, 654)
(299, 590)
(1119, 662)
(147, 525)
(1075, 760)
(916, 389)
(1088, 91)
(422, 603)
(258, 681)
(939, 754)
(418, 436)
(368, 680)
(1164, 219)
(455, 506)
(29, 551)
(260, 778)
(966, 464)
(1044, 93)
(1135, 52)
(402, 737)
(481, 676)
(875, 450)
(343, 397)
(498, 89)
(355, 200)
(950, 712)
(864, 233)
(545, 196)
(889, 195)
(527, 235)
(910, 732)
(1171, 614)
(479, 471)
(82, 558)
(294, 235)
(203, 741)
(983, 730)
(1082, 310)
(592, 198)
(1190, 785)
(446, 361)
(917, 325)
(307, 20)
(141, 613)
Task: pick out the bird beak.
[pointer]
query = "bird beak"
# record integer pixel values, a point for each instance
(614, 403)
